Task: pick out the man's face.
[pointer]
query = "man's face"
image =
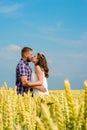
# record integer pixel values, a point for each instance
(29, 56)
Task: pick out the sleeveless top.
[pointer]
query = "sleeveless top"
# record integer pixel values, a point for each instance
(34, 78)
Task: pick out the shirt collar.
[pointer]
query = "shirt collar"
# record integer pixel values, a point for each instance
(24, 61)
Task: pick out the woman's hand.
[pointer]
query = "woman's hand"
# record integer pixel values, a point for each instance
(40, 88)
(29, 83)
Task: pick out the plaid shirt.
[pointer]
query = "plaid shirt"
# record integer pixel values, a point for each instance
(22, 69)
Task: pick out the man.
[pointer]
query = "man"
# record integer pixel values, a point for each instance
(23, 72)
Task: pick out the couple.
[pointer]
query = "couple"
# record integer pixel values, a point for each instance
(26, 79)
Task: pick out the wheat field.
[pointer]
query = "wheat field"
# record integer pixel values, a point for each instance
(61, 110)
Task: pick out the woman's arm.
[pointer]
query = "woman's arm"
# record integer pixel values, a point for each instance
(39, 74)
(40, 88)
(38, 84)
(27, 83)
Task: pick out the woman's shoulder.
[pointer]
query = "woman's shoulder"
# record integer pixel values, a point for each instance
(38, 68)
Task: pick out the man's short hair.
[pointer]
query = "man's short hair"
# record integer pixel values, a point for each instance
(25, 49)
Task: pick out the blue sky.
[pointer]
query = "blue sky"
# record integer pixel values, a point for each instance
(58, 28)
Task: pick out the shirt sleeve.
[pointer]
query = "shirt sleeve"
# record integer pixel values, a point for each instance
(22, 69)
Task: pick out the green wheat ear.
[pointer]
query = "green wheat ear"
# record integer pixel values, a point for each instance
(5, 85)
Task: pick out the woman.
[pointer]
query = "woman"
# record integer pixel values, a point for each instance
(40, 74)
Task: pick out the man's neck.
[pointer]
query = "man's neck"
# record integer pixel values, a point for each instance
(24, 59)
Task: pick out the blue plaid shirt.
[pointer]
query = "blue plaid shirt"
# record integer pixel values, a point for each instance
(22, 69)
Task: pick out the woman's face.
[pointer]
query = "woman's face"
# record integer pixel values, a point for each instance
(34, 59)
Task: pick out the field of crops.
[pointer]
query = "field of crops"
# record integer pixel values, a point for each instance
(61, 110)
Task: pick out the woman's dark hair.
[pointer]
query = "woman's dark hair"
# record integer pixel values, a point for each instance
(42, 62)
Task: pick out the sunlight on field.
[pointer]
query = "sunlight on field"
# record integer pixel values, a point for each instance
(61, 110)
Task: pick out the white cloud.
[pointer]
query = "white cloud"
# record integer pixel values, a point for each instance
(11, 47)
(10, 52)
(73, 55)
(68, 64)
(84, 36)
(66, 54)
(56, 74)
(9, 8)
(59, 24)
(14, 47)
(50, 29)
(50, 61)
(50, 33)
